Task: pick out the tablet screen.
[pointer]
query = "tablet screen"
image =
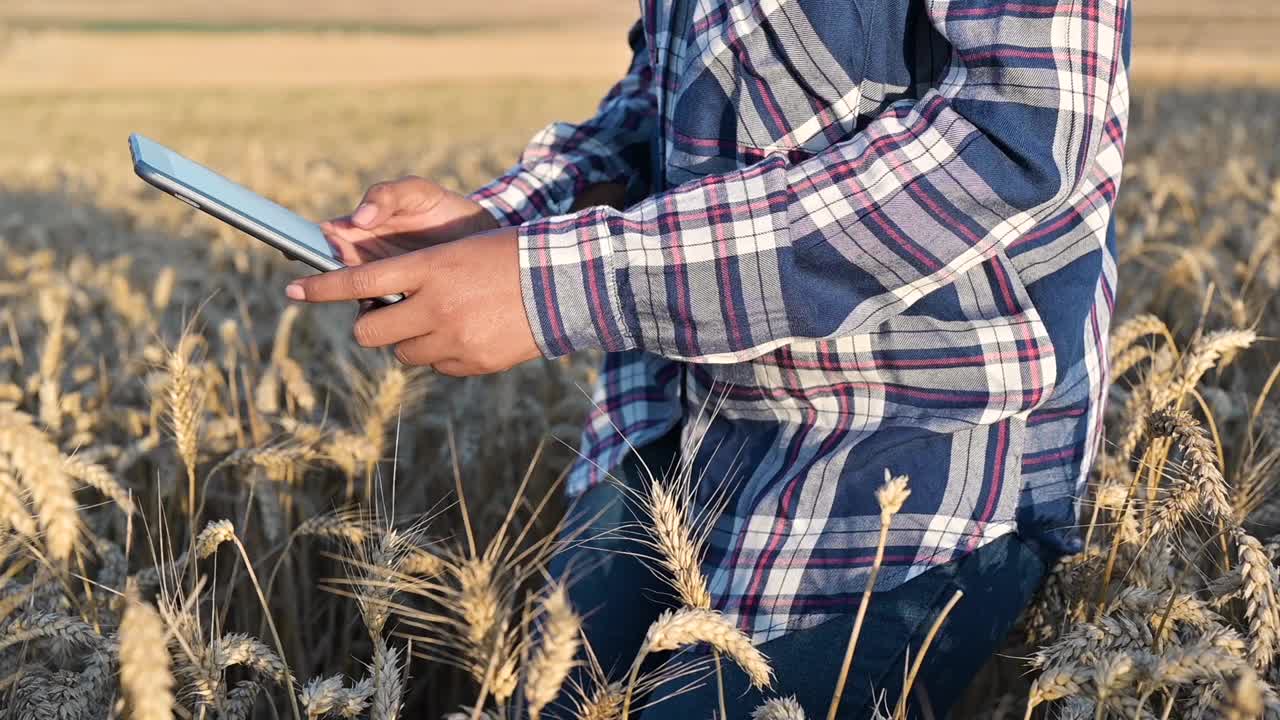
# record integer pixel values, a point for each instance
(205, 182)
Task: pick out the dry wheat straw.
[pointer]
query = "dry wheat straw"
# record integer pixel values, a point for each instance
(1211, 350)
(421, 563)
(266, 396)
(890, 496)
(162, 292)
(330, 696)
(1124, 336)
(900, 711)
(678, 629)
(53, 309)
(14, 599)
(144, 663)
(479, 602)
(341, 525)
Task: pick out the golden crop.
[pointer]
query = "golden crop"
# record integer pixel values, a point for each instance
(215, 506)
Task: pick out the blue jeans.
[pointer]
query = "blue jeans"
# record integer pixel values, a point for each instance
(620, 597)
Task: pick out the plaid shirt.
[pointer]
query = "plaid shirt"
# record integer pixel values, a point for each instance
(871, 234)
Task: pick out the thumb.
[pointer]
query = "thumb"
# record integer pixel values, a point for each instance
(386, 199)
(367, 215)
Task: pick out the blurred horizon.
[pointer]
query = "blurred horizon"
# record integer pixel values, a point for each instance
(51, 46)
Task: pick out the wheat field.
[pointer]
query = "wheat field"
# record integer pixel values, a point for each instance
(213, 505)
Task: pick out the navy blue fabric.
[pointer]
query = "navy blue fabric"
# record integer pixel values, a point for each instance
(620, 597)
(998, 580)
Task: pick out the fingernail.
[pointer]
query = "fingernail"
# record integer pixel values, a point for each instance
(364, 214)
(295, 292)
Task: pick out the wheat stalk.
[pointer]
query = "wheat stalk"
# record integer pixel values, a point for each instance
(479, 602)
(1204, 475)
(1247, 699)
(356, 699)
(890, 496)
(55, 627)
(296, 385)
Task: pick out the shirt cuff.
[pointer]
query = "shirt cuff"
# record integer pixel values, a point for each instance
(530, 192)
(505, 200)
(570, 275)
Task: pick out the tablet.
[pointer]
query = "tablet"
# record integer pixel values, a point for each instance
(198, 186)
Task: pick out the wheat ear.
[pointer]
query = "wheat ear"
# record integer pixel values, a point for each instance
(1055, 684)
(388, 686)
(779, 709)
(239, 649)
(212, 536)
(321, 695)
(240, 701)
(184, 400)
(100, 479)
(679, 555)
(604, 704)
(678, 629)
(1259, 594)
(13, 509)
(553, 659)
(162, 292)
(144, 663)
(40, 468)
